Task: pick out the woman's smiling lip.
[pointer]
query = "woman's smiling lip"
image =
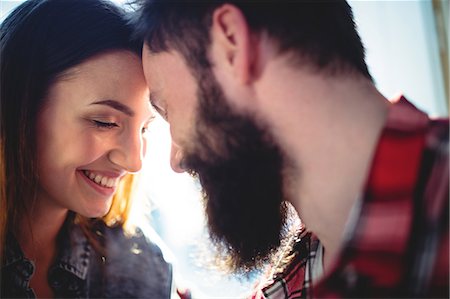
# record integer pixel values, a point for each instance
(104, 183)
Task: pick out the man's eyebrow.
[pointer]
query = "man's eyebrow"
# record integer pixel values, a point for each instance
(116, 105)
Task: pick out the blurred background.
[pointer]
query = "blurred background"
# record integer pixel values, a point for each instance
(407, 52)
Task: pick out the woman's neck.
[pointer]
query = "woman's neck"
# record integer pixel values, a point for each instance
(37, 233)
(37, 237)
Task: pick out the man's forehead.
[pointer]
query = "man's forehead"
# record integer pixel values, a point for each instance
(162, 67)
(154, 70)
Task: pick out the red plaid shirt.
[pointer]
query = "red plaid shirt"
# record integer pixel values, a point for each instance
(399, 244)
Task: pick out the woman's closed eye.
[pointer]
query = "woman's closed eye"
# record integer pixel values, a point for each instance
(104, 124)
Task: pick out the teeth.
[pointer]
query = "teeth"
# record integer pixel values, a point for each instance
(101, 180)
(110, 183)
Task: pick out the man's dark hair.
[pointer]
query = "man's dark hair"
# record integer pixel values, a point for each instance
(320, 33)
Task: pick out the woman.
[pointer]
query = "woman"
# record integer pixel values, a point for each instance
(74, 110)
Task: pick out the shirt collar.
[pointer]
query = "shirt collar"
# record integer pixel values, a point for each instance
(13, 252)
(404, 116)
(73, 255)
(75, 250)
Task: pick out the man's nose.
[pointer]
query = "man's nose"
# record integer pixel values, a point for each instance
(176, 158)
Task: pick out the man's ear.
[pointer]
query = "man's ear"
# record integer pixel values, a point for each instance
(232, 43)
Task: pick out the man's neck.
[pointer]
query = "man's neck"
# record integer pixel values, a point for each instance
(329, 128)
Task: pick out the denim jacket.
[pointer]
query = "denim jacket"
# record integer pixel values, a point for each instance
(130, 267)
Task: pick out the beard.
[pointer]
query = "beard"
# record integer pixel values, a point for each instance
(241, 170)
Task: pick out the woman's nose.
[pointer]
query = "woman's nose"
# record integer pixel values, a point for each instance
(129, 153)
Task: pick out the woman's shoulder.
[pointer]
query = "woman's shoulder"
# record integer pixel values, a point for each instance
(131, 242)
(134, 265)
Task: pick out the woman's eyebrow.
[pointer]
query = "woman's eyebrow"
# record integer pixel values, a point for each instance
(116, 105)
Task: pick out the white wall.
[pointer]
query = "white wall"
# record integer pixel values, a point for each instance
(402, 50)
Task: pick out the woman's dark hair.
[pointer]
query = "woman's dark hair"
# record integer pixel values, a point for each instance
(39, 41)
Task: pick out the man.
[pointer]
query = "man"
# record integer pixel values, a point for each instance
(271, 102)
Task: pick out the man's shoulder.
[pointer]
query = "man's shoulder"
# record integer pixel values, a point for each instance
(289, 277)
